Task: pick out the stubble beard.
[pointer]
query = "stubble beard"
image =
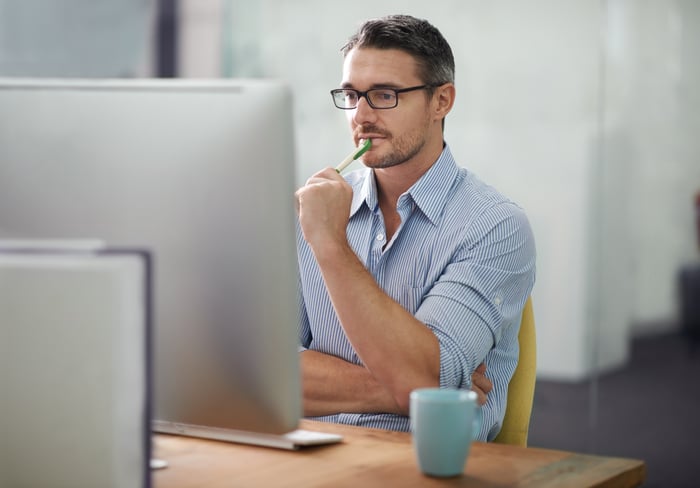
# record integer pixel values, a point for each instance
(403, 149)
(400, 154)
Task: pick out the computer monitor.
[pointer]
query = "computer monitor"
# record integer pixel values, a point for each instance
(201, 174)
(74, 365)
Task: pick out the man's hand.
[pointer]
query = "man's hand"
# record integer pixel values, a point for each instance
(481, 384)
(323, 205)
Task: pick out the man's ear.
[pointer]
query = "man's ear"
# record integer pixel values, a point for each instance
(444, 99)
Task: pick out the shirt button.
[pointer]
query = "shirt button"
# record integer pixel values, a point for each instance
(380, 237)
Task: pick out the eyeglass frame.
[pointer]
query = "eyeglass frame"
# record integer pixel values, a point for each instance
(361, 94)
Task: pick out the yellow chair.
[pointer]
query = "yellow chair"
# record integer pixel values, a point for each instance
(521, 389)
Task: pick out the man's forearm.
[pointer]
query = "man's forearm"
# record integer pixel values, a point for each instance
(401, 352)
(332, 385)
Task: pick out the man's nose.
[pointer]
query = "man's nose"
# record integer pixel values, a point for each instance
(364, 111)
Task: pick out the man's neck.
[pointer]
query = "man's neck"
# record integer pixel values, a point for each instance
(395, 181)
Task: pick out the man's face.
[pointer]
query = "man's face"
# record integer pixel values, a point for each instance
(398, 134)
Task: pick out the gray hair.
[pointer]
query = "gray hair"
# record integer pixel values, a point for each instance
(417, 37)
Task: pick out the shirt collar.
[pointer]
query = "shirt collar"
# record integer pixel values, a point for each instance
(429, 193)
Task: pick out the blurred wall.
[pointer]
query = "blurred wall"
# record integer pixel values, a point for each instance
(76, 38)
(651, 144)
(583, 112)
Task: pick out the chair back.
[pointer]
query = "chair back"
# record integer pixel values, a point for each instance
(521, 389)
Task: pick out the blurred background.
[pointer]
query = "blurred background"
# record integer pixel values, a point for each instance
(585, 112)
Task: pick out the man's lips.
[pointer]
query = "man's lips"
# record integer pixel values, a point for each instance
(363, 137)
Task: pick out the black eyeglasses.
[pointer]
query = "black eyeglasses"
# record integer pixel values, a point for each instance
(381, 98)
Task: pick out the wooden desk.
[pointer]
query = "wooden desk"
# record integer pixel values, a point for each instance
(369, 458)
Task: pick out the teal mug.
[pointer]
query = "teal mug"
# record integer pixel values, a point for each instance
(444, 423)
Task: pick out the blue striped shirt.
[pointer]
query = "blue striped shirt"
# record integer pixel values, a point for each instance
(462, 261)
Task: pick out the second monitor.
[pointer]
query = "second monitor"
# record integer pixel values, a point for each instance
(201, 173)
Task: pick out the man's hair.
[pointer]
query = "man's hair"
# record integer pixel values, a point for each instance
(417, 37)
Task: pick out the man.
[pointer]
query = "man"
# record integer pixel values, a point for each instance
(413, 272)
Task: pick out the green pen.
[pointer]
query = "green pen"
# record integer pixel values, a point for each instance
(359, 151)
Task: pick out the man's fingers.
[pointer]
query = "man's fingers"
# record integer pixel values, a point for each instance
(480, 397)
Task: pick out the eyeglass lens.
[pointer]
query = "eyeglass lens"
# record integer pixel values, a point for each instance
(377, 98)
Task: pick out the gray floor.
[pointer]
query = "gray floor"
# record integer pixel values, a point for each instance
(649, 410)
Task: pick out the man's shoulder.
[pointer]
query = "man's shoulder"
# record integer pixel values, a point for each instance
(475, 198)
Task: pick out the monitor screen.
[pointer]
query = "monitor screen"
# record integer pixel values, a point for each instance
(201, 174)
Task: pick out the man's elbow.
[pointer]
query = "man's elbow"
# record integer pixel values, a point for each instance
(403, 403)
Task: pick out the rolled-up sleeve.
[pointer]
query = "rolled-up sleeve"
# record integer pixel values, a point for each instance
(481, 291)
